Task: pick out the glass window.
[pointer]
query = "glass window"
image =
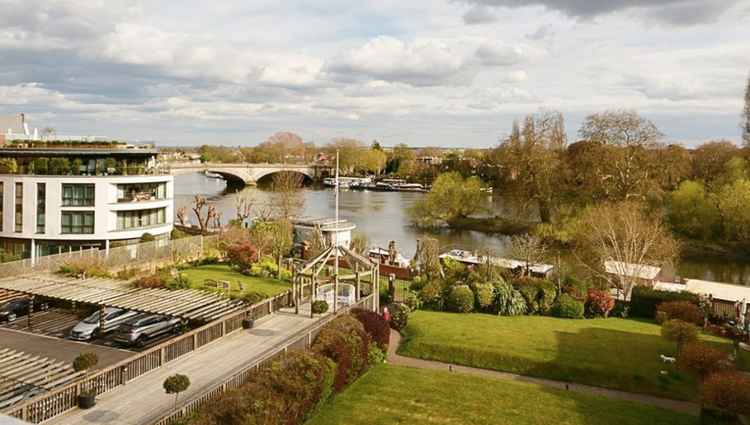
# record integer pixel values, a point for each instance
(41, 206)
(77, 222)
(140, 218)
(19, 208)
(78, 195)
(135, 192)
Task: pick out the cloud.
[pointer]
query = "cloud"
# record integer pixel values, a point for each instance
(675, 12)
(427, 62)
(479, 14)
(495, 53)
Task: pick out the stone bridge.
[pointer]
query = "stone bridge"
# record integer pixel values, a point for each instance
(248, 174)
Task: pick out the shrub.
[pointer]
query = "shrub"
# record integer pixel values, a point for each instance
(683, 310)
(344, 341)
(485, 296)
(399, 315)
(432, 295)
(85, 361)
(508, 301)
(530, 294)
(180, 281)
(729, 391)
(701, 359)
(412, 300)
(679, 332)
(176, 384)
(567, 307)
(319, 307)
(254, 297)
(461, 299)
(268, 268)
(88, 266)
(375, 326)
(242, 255)
(154, 281)
(599, 303)
(644, 300)
(376, 355)
(147, 237)
(575, 287)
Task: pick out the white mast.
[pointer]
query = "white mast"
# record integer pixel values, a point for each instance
(336, 232)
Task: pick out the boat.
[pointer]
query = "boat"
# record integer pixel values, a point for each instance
(391, 262)
(389, 185)
(346, 182)
(472, 259)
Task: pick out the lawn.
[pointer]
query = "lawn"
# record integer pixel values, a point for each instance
(266, 286)
(400, 395)
(613, 353)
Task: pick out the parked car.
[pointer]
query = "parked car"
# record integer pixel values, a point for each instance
(12, 309)
(139, 330)
(88, 328)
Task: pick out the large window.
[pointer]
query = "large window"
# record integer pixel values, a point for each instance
(140, 218)
(78, 195)
(135, 192)
(19, 208)
(77, 222)
(41, 206)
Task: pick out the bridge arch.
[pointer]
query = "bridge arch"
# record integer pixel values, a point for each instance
(251, 175)
(267, 176)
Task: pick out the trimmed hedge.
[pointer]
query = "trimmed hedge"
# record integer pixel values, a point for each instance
(461, 299)
(644, 300)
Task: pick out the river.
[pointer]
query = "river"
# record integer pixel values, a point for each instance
(383, 217)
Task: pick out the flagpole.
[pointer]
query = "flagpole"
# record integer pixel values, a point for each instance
(336, 242)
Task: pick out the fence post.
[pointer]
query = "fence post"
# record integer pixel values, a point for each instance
(195, 341)
(162, 356)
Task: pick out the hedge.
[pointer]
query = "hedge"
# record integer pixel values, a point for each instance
(344, 341)
(644, 300)
(374, 324)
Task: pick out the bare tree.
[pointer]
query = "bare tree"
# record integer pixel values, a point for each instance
(243, 205)
(182, 215)
(203, 217)
(627, 238)
(288, 200)
(746, 116)
(529, 249)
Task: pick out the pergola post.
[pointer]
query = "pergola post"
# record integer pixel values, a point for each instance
(30, 312)
(358, 279)
(101, 319)
(335, 293)
(314, 292)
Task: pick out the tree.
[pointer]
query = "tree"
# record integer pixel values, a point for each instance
(427, 258)
(59, 166)
(679, 332)
(242, 254)
(630, 135)
(701, 360)
(451, 198)
(529, 249)
(733, 201)
(746, 116)
(710, 159)
(287, 200)
(623, 232)
(243, 205)
(692, 210)
(273, 237)
(182, 215)
(176, 384)
(8, 166)
(351, 152)
(204, 218)
(282, 147)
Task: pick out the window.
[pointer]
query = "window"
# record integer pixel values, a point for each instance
(2, 201)
(77, 222)
(19, 207)
(41, 206)
(140, 218)
(141, 192)
(78, 195)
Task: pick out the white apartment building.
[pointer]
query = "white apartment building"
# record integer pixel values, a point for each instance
(63, 196)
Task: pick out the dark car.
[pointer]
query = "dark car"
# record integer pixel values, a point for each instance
(141, 329)
(10, 310)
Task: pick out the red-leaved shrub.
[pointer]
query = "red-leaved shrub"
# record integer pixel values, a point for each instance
(729, 391)
(375, 326)
(154, 281)
(682, 310)
(702, 359)
(344, 341)
(599, 303)
(242, 254)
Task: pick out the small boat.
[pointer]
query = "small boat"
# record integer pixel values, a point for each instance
(472, 259)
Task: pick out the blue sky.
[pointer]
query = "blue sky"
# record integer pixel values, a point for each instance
(423, 72)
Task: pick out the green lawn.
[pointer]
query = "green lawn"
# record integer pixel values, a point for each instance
(269, 287)
(613, 353)
(398, 395)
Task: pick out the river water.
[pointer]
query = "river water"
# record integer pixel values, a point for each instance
(383, 217)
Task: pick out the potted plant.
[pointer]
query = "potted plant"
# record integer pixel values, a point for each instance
(82, 363)
(176, 384)
(319, 307)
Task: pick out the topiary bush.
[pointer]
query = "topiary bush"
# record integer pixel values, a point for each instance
(679, 332)
(431, 295)
(85, 361)
(375, 326)
(242, 255)
(319, 307)
(399, 315)
(461, 299)
(485, 296)
(702, 360)
(644, 300)
(686, 311)
(567, 307)
(599, 303)
(508, 301)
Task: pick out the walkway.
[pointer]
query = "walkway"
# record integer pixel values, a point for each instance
(674, 405)
(143, 401)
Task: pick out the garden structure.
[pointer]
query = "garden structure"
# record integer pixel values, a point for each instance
(347, 286)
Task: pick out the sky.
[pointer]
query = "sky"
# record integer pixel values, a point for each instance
(452, 73)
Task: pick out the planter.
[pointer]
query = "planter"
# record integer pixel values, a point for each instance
(86, 401)
(247, 323)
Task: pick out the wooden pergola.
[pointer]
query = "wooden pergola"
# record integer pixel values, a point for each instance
(188, 304)
(24, 375)
(310, 276)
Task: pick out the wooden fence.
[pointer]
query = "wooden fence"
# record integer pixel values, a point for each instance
(50, 404)
(300, 341)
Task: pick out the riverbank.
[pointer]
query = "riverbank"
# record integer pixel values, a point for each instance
(493, 225)
(694, 249)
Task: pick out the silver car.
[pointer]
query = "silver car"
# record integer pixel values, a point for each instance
(88, 328)
(139, 330)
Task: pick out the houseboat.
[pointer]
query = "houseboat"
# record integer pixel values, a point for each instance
(516, 266)
(391, 262)
(346, 182)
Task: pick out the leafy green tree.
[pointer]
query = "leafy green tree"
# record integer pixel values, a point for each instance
(746, 116)
(59, 166)
(710, 161)
(451, 198)
(176, 384)
(692, 211)
(40, 165)
(733, 201)
(8, 166)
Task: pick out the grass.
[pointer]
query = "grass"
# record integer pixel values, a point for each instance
(268, 287)
(613, 353)
(400, 395)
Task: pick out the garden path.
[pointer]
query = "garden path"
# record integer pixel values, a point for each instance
(674, 405)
